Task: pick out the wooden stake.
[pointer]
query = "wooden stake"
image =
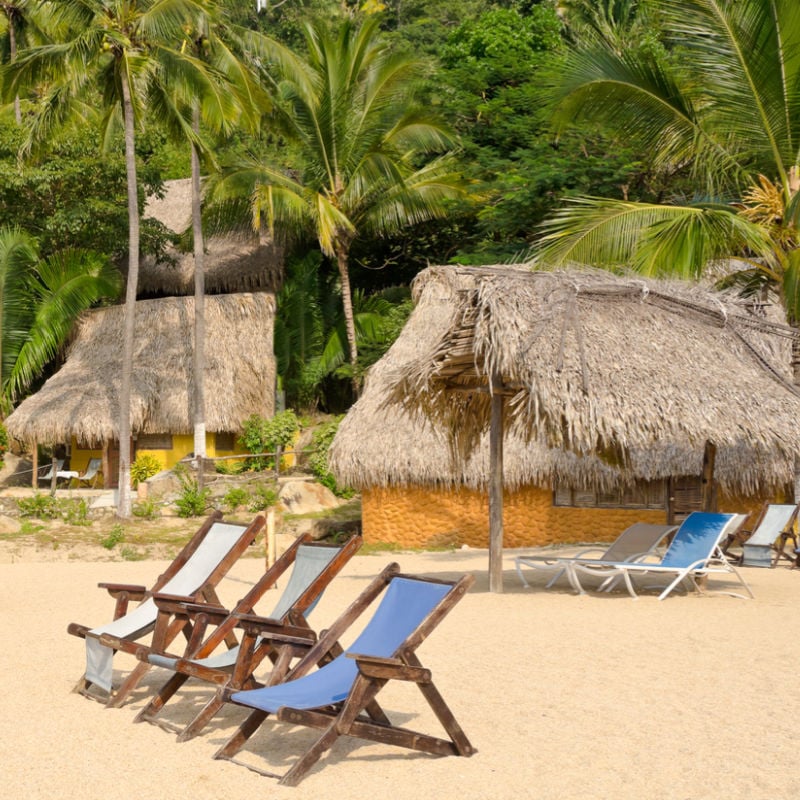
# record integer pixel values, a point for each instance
(496, 492)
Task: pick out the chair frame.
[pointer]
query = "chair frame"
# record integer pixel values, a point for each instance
(359, 714)
(257, 641)
(124, 594)
(86, 476)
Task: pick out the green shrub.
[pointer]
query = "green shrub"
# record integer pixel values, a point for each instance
(74, 512)
(230, 467)
(145, 509)
(115, 536)
(41, 506)
(318, 460)
(192, 501)
(235, 497)
(3, 443)
(260, 435)
(263, 497)
(144, 467)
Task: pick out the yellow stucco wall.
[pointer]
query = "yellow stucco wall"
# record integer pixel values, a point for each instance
(416, 517)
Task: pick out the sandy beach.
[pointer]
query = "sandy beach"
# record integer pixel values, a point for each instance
(563, 696)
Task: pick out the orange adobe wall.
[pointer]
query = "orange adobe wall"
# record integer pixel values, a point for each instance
(425, 517)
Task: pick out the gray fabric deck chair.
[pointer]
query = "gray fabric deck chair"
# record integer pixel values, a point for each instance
(760, 548)
(193, 575)
(693, 554)
(93, 468)
(635, 541)
(313, 566)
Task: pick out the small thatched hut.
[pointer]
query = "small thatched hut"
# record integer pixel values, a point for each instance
(608, 391)
(80, 402)
(234, 263)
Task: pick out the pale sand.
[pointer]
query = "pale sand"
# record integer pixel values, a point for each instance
(563, 696)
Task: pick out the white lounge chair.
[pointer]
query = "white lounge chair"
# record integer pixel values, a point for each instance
(93, 469)
(635, 541)
(694, 553)
(760, 548)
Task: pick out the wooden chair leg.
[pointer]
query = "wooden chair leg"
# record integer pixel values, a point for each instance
(128, 685)
(153, 708)
(202, 719)
(242, 734)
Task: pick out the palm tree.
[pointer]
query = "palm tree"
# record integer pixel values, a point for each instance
(723, 105)
(364, 151)
(131, 50)
(39, 303)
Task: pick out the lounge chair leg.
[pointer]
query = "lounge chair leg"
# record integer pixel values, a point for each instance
(129, 684)
(311, 756)
(242, 734)
(205, 716)
(153, 708)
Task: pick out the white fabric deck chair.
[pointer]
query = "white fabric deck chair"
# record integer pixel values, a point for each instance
(193, 574)
(694, 553)
(635, 541)
(93, 468)
(760, 549)
(46, 476)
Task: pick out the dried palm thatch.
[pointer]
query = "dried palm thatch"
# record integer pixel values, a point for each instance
(605, 379)
(235, 263)
(81, 399)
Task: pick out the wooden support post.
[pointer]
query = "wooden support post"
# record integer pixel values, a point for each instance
(35, 461)
(53, 476)
(707, 478)
(272, 545)
(496, 492)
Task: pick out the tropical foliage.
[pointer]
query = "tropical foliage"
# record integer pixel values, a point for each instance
(722, 103)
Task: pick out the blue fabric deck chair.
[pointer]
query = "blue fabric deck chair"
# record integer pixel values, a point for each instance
(339, 697)
(760, 546)
(313, 566)
(192, 576)
(634, 542)
(694, 552)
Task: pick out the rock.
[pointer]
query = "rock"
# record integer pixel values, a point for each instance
(306, 497)
(9, 524)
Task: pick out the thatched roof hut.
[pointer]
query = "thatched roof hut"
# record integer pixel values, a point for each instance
(81, 399)
(234, 263)
(640, 371)
(601, 379)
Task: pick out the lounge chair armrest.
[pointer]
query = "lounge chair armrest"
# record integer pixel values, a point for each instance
(185, 605)
(133, 590)
(389, 669)
(274, 629)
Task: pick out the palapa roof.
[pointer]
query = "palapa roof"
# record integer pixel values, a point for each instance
(234, 263)
(82, 398)
(606, 379)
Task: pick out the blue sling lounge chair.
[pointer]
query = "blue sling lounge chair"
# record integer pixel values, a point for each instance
(694, 552)
(339, 697)
(313, 566)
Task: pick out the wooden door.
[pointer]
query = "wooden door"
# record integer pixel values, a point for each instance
(685, 494)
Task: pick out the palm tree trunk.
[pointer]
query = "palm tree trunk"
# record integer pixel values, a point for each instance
(124, 504)
(199, 310)
(349, 319)
(796, 379)
(12, 46)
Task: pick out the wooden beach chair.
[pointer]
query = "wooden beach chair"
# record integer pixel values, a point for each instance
(313, 566)
(339, 698)
(765, 543)
(693, 554)
(193, 576)
(93, 469)
(634, 542)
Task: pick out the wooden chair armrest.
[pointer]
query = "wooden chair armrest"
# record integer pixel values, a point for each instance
(133, 590)
(185, 605)
(389, 669)
(274, 629)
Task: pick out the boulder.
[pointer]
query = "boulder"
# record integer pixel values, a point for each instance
(306, 497)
